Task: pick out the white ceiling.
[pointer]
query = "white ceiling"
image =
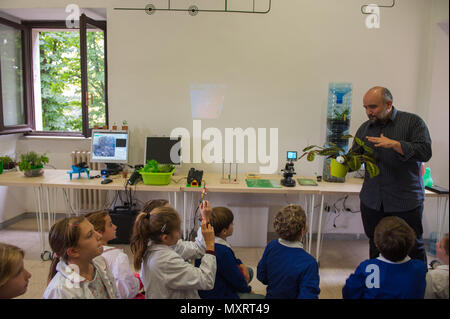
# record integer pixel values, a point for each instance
(52, 13)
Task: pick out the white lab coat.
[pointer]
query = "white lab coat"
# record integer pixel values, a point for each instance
(166, 274)
(68, 285)
(118, 263)
(437, 283)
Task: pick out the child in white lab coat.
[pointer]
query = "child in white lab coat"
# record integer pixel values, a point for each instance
(127, 284)
(160, 254)
(78, 271)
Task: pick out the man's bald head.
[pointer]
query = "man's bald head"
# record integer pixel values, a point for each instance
(382, 92)
(378, 104)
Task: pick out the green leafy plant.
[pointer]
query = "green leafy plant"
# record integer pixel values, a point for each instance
(8, 162)
(32, 160)
(154, 167)
(341, 116)
(361, 154)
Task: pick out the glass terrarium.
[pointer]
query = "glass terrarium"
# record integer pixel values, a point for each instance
(338, 122)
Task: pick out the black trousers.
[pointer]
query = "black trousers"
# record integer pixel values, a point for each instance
(413, 218)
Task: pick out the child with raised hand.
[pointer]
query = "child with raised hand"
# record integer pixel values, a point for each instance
(437, 278)
(164, 271)
(77, 269)
(393, 275)
(13, 275)
(232, 276)
(285, 267)
(127, 284)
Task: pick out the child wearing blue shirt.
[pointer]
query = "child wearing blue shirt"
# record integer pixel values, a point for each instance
(393, 275)
(232, 276)
(285, 267)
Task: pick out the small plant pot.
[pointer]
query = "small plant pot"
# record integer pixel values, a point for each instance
(114, 128)
(34, 172)
(337, 169)
(124, 127)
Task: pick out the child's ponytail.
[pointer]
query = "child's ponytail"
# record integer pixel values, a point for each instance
(150, 226)
(139, 238)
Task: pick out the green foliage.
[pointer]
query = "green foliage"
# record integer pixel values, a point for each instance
(61, 80)
(6, 160)
(154, 167)
(341, 116)
(362, 154)
(32, 160)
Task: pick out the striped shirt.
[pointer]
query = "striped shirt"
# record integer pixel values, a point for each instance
(399, 186)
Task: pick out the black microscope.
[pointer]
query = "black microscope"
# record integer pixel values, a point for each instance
(289, 170)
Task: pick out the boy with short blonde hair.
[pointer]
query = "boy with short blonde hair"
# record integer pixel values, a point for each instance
(285, 267)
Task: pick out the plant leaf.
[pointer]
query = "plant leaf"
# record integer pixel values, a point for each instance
(367, 149)
(354, 163)
(311, 155)
(310, 147)
(346, 137)
(372, 169)
(358, 141)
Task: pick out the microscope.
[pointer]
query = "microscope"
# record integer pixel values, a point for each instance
(289, 170)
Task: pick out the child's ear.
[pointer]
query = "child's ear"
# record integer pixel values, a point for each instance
(164, 238)
(73, 252)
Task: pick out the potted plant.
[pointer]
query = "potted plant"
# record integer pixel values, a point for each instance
(124, 125)
(114, 126)
(32, 164)
(7, 163)
(342, 162)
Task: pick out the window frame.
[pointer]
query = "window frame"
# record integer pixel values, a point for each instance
(27, 27)
(27, 84)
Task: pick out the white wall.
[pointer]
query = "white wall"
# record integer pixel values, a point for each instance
(276, 68)
(10, 203)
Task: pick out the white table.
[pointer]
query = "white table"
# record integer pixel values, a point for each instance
(46, 186)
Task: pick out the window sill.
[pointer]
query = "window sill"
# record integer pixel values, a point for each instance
(50, 137)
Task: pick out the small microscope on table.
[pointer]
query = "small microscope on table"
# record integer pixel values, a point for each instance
(289, 170)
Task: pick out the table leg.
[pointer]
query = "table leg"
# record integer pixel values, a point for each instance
(311, 219)
(37, 198)
(441, 216)
(319, 230)
(184, 214)
(175, 200)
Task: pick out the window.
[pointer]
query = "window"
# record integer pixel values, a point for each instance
(13, 110)
(66, 69)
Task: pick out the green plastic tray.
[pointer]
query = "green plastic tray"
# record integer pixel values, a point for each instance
(156, 178)
(263, 183)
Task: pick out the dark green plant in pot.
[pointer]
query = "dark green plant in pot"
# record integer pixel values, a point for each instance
(350, 161)
(7, 161)
(31, 161)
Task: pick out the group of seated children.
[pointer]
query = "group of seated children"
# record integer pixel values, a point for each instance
(171, 268)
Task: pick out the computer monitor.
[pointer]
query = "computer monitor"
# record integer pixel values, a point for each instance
(292, 155)
(109, 146)
(160, 149)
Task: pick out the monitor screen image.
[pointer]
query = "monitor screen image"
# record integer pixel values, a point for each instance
(292, 155)
(159, 149)
(109, 146)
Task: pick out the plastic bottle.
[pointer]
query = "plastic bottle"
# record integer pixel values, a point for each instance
(427, 180)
